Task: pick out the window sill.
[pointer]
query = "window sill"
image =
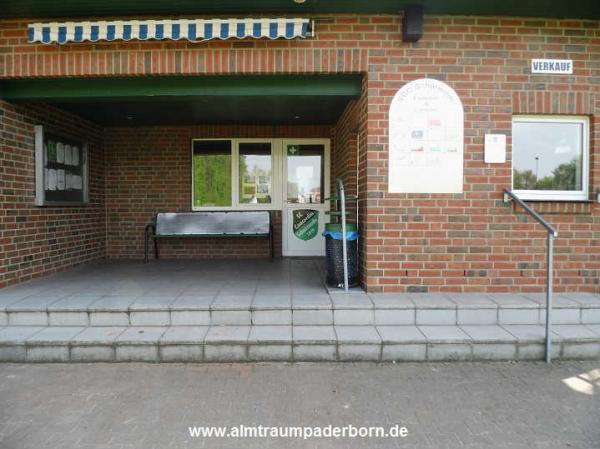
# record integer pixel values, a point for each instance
(557, 207)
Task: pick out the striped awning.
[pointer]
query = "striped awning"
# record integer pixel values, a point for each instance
(191, 29)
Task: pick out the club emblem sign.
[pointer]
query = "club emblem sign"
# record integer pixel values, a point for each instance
(306, 223)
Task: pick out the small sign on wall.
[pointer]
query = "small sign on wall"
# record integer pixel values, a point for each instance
(495, 149)
(552, 66)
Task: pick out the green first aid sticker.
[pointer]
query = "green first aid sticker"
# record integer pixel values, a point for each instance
(306, 223)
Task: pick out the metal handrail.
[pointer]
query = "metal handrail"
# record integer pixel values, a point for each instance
(552, 234)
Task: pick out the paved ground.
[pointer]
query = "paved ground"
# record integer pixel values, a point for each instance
(475, 405)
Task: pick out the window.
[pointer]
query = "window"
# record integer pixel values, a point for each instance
(305, 173)
(212, 173)
(255, 173)
(550, 157)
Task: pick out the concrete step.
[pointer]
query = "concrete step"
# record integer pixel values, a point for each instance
(294, 343)
(309, 309)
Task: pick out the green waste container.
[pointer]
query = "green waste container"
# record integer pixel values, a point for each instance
(334, 254)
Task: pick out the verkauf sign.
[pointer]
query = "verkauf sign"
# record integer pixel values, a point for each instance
(555, 66)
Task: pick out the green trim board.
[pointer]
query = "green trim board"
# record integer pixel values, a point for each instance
(57, 89)
(589, 9)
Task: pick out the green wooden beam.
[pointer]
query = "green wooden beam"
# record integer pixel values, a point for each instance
(57, 89)
(93, 8)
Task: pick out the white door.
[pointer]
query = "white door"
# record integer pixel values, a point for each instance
(305, 186)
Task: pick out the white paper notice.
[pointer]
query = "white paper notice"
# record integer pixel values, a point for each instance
(51, 179)
(60, 153)
(74, 155)
(68, 154)
(60, 180)
(426, 129)
(495, 149)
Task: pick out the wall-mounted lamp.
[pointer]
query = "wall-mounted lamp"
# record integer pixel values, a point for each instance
(598, 196)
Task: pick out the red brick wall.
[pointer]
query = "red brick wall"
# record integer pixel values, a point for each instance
(148, 170)
(411, 242)
(35, 241)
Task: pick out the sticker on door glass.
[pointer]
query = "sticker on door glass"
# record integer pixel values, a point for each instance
(306, 223)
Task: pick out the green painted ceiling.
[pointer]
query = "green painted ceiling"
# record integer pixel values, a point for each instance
(192, 100)
(88, 8)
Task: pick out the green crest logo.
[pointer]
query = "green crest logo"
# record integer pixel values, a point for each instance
(306, 223)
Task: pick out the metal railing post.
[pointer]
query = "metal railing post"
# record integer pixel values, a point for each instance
(549, 257)
(342, 196)
(552, 234)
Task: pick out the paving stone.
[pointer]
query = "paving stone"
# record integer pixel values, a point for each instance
(313, 335)
(435, 317)
(231, 317)
(432, 301)
(272, 317)
(562, 316)
(536, 351)
(190, 317)
(488, 333)
(590, 316)
(449, 352)
(270, 335)
(558, 300)
(28, 318)
(581, 350)
(98, 335)
(353, 317)
(227, 335)
(141, 335)
(411, 352)
(68, 319)
(392, 300)
(181, 353)
(150, 318)
(400, 334)
(395, 316)
(178, 335)
(351, 301)
(444, 334)
(34, 303)
(477, 316)
(3, 318)
(152, 303)
(192, 302)
(311, 301)
(232, 302)
(16, 353)
(76, 303)
(57, 335)
(314, 353)
(359, 352)
(595, 328)
(48, 353)
(585, 300)
(573, 332)
(93, 353)
(472, 301)
(270, 353)
(271, 302)
(518, 316)
(312, 317)
(109, 318)
(526, 333)
(137, 353)
(18, 334)
(225, 353)
(118, 303)
(494, 351)
(357, 335)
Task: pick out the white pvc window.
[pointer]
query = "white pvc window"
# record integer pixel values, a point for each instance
(550, 157)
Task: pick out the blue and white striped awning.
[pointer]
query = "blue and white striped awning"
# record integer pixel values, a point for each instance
(190, 29)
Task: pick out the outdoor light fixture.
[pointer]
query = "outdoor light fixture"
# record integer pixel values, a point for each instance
(598, 196)
(299, 2)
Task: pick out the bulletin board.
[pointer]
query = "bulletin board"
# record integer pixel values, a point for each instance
(61, 169)
(426, 139)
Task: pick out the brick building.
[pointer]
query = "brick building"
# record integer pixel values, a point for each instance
(159, 114)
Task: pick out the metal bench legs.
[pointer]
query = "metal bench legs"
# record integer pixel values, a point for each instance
(152, 228)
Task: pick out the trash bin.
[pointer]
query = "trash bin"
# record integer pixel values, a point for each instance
(334, 255)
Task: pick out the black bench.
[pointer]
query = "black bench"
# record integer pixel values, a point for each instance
(208, 224)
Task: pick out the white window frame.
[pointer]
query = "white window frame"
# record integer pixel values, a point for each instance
(558, 195)
(278, 161)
